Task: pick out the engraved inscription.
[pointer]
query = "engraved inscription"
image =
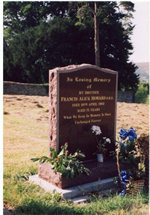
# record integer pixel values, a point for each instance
(86, 97)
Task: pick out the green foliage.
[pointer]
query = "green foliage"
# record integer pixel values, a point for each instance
(39, 36)
(142, 94)
(30, 199)
(102, 142)
(68, 165)
(53, 204)
(19, 16)
(46, 46)
(24, 176)
(101, 147)
(130, 156)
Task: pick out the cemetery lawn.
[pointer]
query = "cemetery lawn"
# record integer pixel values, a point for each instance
(26, 127)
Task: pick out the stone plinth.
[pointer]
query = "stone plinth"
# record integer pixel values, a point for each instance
(77, 191)
(98, 172)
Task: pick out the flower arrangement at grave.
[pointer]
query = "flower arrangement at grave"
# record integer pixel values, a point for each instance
(129, 157)
(69, 165)
(143, 145)
(102, 142)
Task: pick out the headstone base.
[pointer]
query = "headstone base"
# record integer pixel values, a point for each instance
(76, 191)
(98, 171)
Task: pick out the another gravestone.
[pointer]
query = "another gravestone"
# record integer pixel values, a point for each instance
(81, 96)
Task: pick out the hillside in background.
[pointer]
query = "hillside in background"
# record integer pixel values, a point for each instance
(143, 71)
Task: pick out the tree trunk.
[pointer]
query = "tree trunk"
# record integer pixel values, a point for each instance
(96, 36)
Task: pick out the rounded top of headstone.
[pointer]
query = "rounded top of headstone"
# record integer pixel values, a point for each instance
(82, 66)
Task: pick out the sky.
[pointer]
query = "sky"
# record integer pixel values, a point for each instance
(141, 33)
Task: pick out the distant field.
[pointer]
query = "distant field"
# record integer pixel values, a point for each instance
(26, 131)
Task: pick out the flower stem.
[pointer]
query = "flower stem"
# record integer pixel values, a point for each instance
(118, 165)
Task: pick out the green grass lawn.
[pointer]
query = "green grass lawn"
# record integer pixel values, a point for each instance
(25, 137)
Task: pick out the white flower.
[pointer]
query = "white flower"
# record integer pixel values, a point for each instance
(96, 129)
(108, 140)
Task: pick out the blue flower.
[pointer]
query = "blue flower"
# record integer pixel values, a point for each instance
(123, 192)
(124, 176)
(132, 134)
(124, 179)
(123, 144)
(123, 134)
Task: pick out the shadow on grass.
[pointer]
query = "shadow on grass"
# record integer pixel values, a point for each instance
(7, 212)
(102, 206)
(33, 207)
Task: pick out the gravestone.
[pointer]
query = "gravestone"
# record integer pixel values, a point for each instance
(81, 96)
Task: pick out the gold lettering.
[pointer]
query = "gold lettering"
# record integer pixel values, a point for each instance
(95, 120)
(69, 99)
(69, 79)
(89, 86)
(105, 80)
(84, 104)
(81, 116)
(76, 105)
(107, 114)
(92, 104)
(81, 110)
(94, 109)
(87, 80)
(101, 103)
(84, 98)
(82, 122)
(95, 115)
(91, 92)
(93, 98)
(67, 117)
(81, 92)
(74, 117)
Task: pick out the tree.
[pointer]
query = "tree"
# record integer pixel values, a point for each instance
(19, 16)
(96, 35)
(43, 35)
(115, 47)
(83, 13)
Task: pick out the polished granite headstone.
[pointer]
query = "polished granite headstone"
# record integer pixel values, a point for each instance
(81, 96)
